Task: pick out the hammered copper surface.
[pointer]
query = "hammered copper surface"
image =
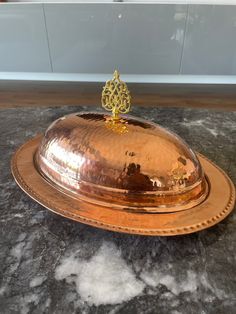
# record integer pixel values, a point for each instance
(145, 168)
(218, 204)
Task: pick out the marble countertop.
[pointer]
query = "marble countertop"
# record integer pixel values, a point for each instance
(50, 265)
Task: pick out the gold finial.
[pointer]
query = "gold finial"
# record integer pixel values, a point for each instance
(116, 96)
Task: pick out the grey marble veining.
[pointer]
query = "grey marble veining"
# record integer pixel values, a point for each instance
(49, 264)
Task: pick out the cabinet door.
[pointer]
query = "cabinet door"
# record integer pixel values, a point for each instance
(134, 38)
(23, 39)
(210, 43)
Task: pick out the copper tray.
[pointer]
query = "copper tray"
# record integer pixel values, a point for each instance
(216, 207)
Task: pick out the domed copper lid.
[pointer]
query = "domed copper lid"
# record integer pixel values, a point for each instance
(121, 161)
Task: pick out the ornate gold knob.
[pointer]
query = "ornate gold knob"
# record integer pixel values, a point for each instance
(116, 96)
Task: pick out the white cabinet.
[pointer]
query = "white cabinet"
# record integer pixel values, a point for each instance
(210, 40)
(139, 39)
(23, 39)
(134, 38)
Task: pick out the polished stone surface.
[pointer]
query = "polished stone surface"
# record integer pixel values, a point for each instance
(50, 265)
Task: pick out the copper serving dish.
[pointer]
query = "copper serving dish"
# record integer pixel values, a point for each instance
(122, 173)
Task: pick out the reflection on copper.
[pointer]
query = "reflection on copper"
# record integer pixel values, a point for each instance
(146, 169)
(118, 126)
